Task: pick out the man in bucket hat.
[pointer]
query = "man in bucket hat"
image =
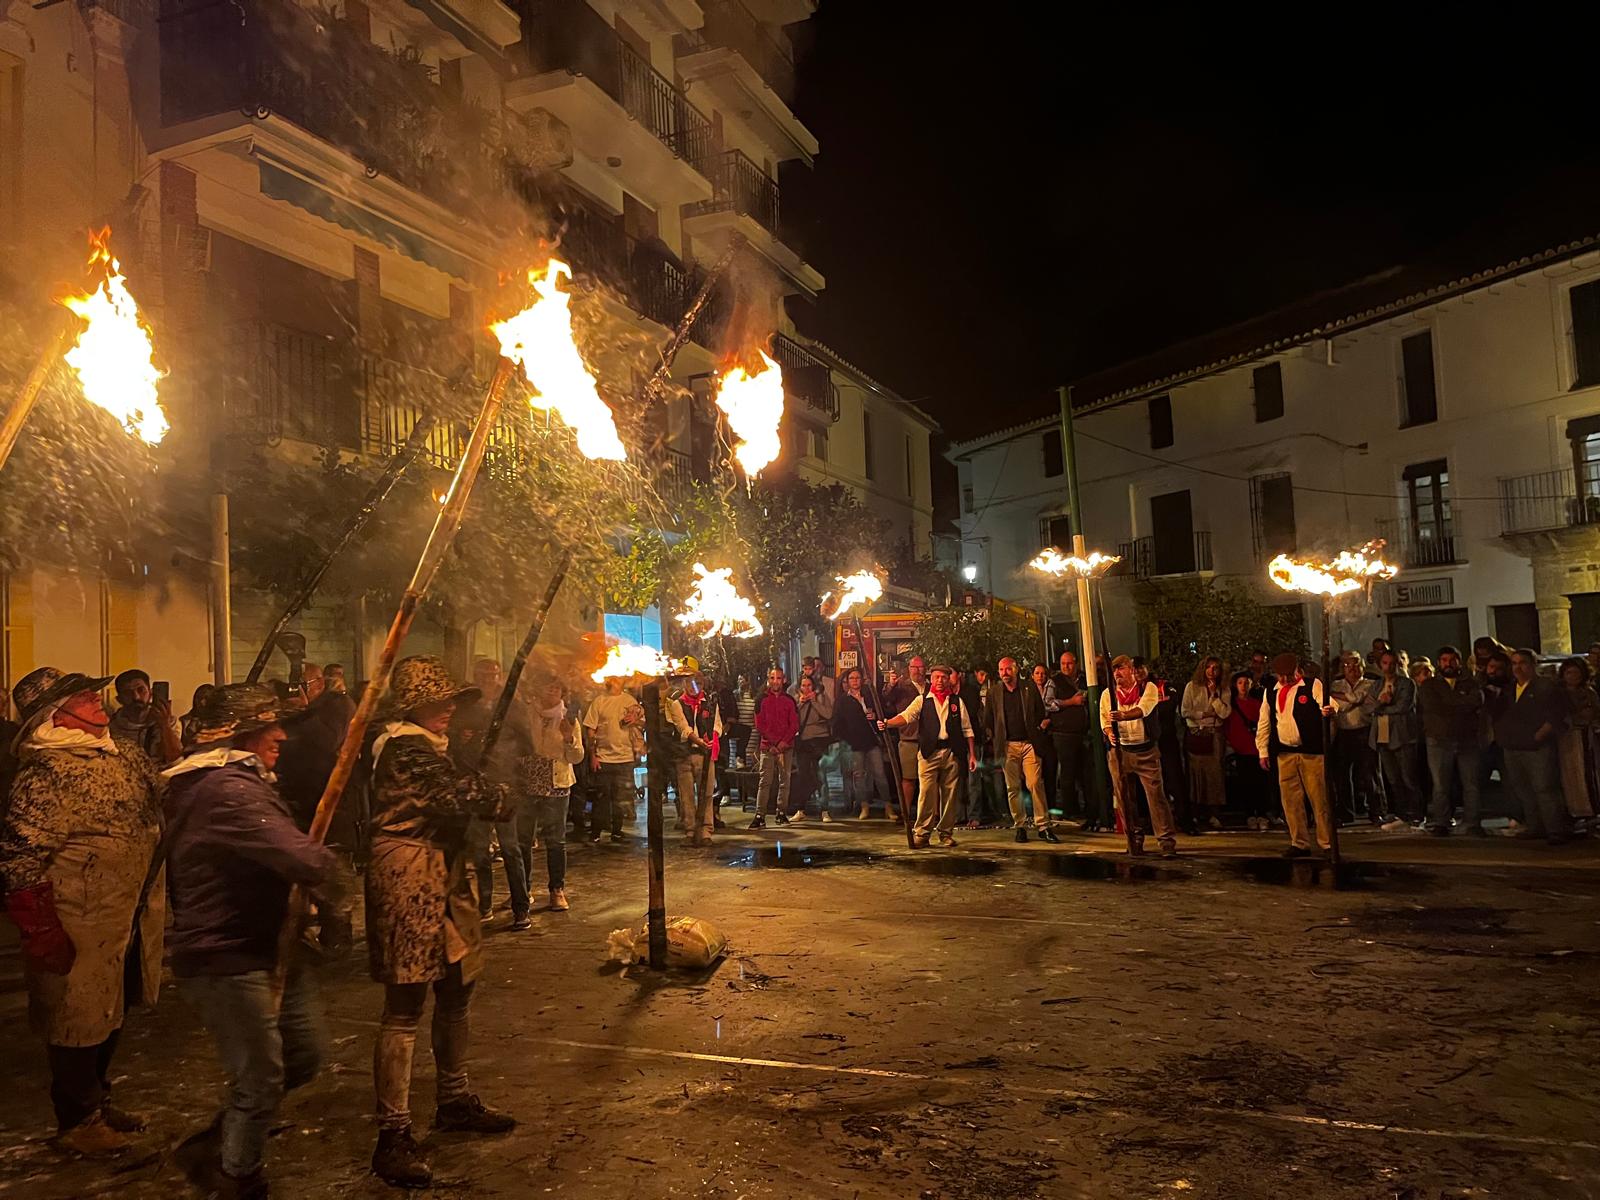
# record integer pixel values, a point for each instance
(422, 915)
(235, 853)
(76, 848)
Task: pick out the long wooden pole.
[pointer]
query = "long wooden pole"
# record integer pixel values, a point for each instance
(502, 706)
(376, 495)
(27, 395)
(451, 513)
(655, 827)
(1327, 737)
(686, 323)
(890, 750)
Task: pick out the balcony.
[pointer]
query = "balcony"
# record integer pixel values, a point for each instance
(622, 111)
(339, 126)
(449, 28)
(1156, 558)
(745, 202)
(807, 380)
(1413, 548)
(747, 64)
(1546, 501)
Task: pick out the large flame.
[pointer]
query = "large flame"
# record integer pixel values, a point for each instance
(539, 340)
(863, 588)
(716, 609)
(624, 660)
(1350, 571)
(1052, 562)
(114, 357)
(754, 404)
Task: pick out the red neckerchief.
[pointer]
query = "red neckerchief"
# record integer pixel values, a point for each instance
(1284, 695)
(1127, 699)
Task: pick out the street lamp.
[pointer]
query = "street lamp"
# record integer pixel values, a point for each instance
(970, 572)
(1347, 572)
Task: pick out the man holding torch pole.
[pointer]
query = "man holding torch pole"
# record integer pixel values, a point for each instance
(942, 725)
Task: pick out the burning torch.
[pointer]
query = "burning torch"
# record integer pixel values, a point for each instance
(1349, 571)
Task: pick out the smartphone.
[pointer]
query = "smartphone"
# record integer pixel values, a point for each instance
(161, 691)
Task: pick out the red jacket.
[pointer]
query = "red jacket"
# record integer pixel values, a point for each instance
(777, 720)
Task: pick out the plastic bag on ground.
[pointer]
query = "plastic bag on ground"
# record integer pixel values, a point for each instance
(691, 943)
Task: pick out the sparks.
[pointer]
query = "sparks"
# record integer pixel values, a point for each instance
(1052, 562)
(716, 609)
(624, 660)
(863, 588)
(539, 340)
(114, 357)
(1348, 572)
(754, 405)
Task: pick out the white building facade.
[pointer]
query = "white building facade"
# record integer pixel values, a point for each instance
(1458, 420)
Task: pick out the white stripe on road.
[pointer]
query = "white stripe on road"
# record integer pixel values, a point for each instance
(1248, 1114)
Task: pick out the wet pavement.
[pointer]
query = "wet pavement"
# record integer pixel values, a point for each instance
(997, 1020)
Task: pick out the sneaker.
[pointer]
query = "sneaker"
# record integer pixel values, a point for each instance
(120, 1120)
(758, 823)
(594, 835)
(827, 817)
(471, 1115)
(93, 1138)
(486, 918)
(1169, 849)
(617, 839)
(796, 818)
(399, 1161)
(558, 900)
(780, 818)
(1393, 824)
(520, 923)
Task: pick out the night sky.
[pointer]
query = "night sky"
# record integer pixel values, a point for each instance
(1002, 206)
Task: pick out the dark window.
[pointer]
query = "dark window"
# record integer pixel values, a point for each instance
(870, 469)
(1160, 422)
(1419, 393)
(1057, 532)
(819, 444)
(1054, 462)
(1172, 534)
(1272, 515)
(1267, 383)
(1517, 625)
(968, 501)
(1585, 301)
(1584, 436)
(1430, 530)
(911, 468)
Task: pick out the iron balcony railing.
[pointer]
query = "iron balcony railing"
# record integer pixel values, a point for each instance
(1430, 547)
(731, 25)
(742, 187)
(806, 378)
(279, 382)
(1152, 557)
(570, 35)
(1547, 500)
(384, 109)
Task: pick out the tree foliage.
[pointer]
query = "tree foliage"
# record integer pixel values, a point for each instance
(1194, 618)
(975, 637)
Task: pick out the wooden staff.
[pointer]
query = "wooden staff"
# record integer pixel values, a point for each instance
(443, 533)
(28, 395)
(891, 751)
(686, 324)
(655, 827)
(502, 706)
(376, 495)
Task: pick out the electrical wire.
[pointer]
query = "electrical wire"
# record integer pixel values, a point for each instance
(1299, 487)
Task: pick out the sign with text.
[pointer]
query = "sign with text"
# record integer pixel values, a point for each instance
(1421, 593)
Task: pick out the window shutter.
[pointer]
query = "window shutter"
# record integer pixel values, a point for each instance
(1585, 301)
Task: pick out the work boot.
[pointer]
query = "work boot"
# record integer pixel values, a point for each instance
(1022, 833)
(1169, 849)
(471, 1115)
(399, 1161)
(558, 900)
(1136, 846)
(93, 1138)
(1049, 835)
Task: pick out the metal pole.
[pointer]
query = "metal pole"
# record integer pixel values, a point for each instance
(655, 837)
(221, 593)
(376, 495)
(1103, 783)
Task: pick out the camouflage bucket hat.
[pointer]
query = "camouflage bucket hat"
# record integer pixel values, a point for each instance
(424, 679)
(41, 691)
(236, 708)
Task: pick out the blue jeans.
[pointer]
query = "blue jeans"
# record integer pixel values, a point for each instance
(545, 818)
(1447, 761)
(264, 1052)
(510, 857)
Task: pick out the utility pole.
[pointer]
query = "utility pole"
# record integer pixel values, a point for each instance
(1086, 625)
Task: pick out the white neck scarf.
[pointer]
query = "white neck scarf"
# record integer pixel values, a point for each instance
(49, 736)
(394, 729)
(217, 756)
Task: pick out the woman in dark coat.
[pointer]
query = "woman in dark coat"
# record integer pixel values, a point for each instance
(422, 915)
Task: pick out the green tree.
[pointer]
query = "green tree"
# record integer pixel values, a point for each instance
(975, 637)
(1194, 618)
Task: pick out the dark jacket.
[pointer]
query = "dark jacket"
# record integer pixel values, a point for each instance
(852, 724)
(1516, 722)
(1033, 714)
(1450, 714)
(1070, 720)
(512, 746)
(310, 749)
(972, 699)
(235, 852)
